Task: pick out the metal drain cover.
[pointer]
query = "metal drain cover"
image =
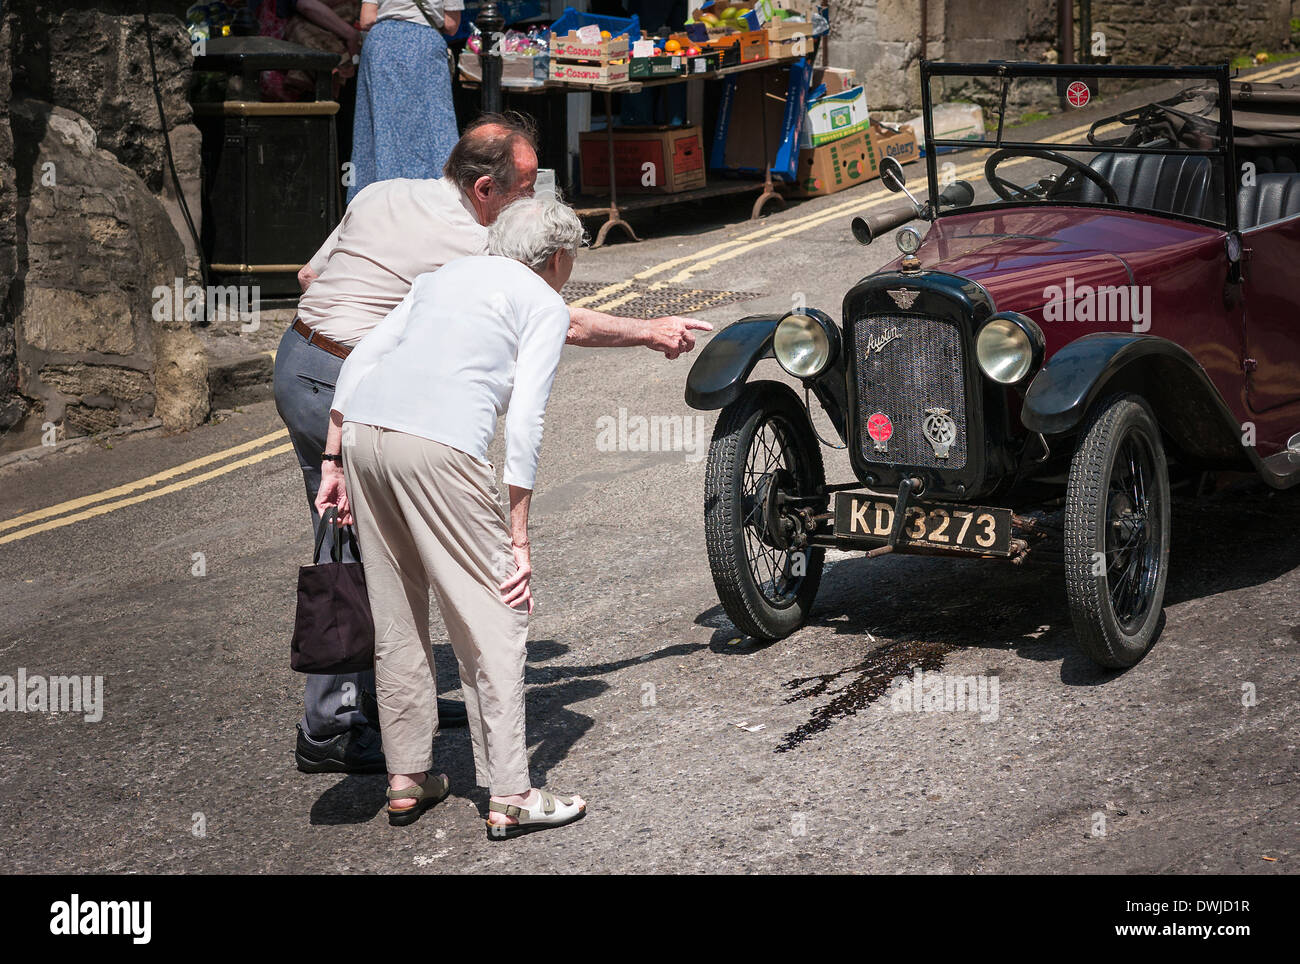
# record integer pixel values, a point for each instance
(637, 299)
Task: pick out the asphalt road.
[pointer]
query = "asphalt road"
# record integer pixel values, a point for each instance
(697, 750)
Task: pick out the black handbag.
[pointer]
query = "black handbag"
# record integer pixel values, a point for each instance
(333, 631)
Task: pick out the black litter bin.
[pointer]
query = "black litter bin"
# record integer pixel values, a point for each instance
(271, 179)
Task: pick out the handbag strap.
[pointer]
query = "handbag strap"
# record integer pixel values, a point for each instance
(428, 15)
(328, 518)
(331, 518)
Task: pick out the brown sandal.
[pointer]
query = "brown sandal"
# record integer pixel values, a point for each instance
(430, 793)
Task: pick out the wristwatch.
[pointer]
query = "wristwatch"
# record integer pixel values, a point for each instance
(337, 458)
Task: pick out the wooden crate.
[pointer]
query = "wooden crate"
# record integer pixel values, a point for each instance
(571, 47)
(596, 73)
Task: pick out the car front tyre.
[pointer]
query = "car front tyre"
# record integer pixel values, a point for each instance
(767, 592)
(1117, 533)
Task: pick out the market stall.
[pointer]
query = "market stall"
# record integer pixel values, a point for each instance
(760, 58)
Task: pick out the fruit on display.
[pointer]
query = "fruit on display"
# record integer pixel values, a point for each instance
(672, 47)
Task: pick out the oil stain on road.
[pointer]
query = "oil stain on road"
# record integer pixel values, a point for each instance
(875, 674)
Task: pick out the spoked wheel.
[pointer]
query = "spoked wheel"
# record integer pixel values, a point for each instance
(764, 454)
(1117, 533)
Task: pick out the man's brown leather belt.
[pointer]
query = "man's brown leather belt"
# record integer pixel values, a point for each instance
(320, 341)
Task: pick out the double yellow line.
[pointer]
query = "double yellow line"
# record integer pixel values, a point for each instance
(110, 500)
(673, 271)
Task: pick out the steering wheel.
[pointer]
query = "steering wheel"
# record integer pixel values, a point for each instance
(1048, 188)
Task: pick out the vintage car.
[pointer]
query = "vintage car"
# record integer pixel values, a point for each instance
(1112, 314)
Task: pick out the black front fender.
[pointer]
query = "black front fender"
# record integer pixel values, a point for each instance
(1184, 400)
(722, 366)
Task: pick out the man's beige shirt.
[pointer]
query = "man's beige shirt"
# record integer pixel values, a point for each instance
(392, 232)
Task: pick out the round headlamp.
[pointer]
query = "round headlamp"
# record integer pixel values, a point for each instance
(805, 344)
(1009, 348)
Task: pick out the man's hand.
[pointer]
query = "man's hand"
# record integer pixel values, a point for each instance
(333, 492)
(369, 13)
(672, 335)
(669, 334)
(305, 277)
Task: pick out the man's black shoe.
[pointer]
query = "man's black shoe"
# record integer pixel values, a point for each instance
(451, 713)
(354, 751)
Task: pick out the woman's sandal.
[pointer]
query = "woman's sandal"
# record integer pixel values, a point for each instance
(549, 811)
(432, 791)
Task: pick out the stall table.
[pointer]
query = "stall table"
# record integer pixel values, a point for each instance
(614, 208)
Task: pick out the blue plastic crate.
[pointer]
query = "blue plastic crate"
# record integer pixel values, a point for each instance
(571, 20)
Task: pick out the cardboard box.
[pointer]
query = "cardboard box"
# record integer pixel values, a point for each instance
(836, 79)
(789, 49)
(751, 45)
(595, 74)
(649, 68)
(647, 160)
(572, 47)
(835, 116)
(516, 69)
(779, 97)
(782, 30)
(901, 145)
(704, 63)
(851, 160)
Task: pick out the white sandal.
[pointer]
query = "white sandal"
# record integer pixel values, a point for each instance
(549, 811)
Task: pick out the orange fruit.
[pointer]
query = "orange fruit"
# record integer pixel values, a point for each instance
(672, 46)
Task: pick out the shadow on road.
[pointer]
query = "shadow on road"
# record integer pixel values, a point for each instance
(924, 608)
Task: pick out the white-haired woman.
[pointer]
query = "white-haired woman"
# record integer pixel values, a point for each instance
(414, 411)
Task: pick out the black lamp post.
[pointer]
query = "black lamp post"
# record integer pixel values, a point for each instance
(491, 27)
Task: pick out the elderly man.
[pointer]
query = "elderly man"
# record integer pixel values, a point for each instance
(392, 232)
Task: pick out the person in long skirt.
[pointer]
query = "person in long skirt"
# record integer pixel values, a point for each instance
(405, 123)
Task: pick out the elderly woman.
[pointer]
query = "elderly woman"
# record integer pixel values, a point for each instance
(415, 408)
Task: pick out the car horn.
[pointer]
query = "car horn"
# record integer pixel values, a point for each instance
(957, 194)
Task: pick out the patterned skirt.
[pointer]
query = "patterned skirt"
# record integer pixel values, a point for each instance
(405, 124)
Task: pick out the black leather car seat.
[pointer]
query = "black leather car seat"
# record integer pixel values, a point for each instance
(1272, 196)
(1179, 184)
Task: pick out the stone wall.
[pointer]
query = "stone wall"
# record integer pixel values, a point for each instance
(12, 405)
(1174, 31)
(96, 224)
(882, 38)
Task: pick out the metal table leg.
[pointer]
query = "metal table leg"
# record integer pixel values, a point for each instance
(769, 193)
(615, 218)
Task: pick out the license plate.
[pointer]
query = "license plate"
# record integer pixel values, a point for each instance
(935, 525)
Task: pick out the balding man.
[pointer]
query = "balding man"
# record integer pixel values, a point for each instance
(392, 232)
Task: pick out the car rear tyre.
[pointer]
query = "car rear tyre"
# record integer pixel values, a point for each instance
(1117, 533)
(763, 437)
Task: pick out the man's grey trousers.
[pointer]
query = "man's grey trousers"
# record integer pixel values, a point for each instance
(304, 388)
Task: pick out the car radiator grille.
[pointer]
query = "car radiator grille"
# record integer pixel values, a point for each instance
(906, 364)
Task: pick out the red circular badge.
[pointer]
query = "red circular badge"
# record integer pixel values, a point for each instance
(1078, 94)
(879, 427)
